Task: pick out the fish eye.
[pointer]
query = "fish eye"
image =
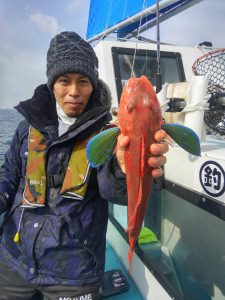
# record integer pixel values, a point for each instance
(130, 106)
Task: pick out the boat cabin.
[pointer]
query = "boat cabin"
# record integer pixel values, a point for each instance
(181, 255)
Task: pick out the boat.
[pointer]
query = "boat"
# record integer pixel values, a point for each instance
(184, 257)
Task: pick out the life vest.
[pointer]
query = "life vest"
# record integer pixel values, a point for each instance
(76, 176)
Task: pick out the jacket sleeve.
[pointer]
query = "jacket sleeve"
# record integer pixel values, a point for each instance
(10, 172)
(112, 183)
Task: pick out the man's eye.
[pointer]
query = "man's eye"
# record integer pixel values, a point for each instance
(84, 81)
(63, 81)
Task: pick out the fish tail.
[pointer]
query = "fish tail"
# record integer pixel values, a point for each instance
(132, 243)
(136, 217)
(130, 256)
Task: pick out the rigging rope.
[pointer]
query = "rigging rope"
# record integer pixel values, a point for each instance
(135, 50)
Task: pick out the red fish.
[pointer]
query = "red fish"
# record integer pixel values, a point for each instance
(139, 117)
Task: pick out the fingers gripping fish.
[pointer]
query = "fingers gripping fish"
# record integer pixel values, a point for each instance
(139, 117)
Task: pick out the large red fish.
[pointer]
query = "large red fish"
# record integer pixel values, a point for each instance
(139, 117)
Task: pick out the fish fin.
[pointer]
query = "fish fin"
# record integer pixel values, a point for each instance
(100, 148)
(185, 137)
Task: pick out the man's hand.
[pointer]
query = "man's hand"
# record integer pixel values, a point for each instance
(156, 149)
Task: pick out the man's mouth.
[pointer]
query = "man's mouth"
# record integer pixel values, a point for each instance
(74, 104)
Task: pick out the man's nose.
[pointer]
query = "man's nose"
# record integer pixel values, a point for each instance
(74, 90)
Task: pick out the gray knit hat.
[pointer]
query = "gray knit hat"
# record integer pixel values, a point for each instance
(69, 53)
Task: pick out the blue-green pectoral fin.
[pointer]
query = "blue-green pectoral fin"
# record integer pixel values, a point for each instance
(185, 137)
(100, 148)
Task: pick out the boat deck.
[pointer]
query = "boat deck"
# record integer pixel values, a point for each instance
(113, 262)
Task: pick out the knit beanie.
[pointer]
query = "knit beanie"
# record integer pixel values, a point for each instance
(69, 53)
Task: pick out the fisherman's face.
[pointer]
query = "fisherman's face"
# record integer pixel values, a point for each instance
(72, 92)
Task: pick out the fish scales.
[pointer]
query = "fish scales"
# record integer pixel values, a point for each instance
(139, 117)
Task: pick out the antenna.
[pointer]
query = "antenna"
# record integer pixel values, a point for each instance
(158, 74)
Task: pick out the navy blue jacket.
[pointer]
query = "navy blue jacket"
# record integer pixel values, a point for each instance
(62, 243)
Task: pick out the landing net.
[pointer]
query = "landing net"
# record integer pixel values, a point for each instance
(213, 63)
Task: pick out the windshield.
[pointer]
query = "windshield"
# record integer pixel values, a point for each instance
(145, 63)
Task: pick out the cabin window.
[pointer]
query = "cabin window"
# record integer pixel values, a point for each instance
(187, 257)
(145, 63)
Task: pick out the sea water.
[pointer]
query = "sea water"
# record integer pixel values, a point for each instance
(9, 120)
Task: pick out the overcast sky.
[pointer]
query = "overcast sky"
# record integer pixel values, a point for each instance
(28, 26)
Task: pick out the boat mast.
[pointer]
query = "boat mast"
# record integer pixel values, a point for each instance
(158, 74)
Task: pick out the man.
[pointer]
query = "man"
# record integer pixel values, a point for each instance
(54, 231)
